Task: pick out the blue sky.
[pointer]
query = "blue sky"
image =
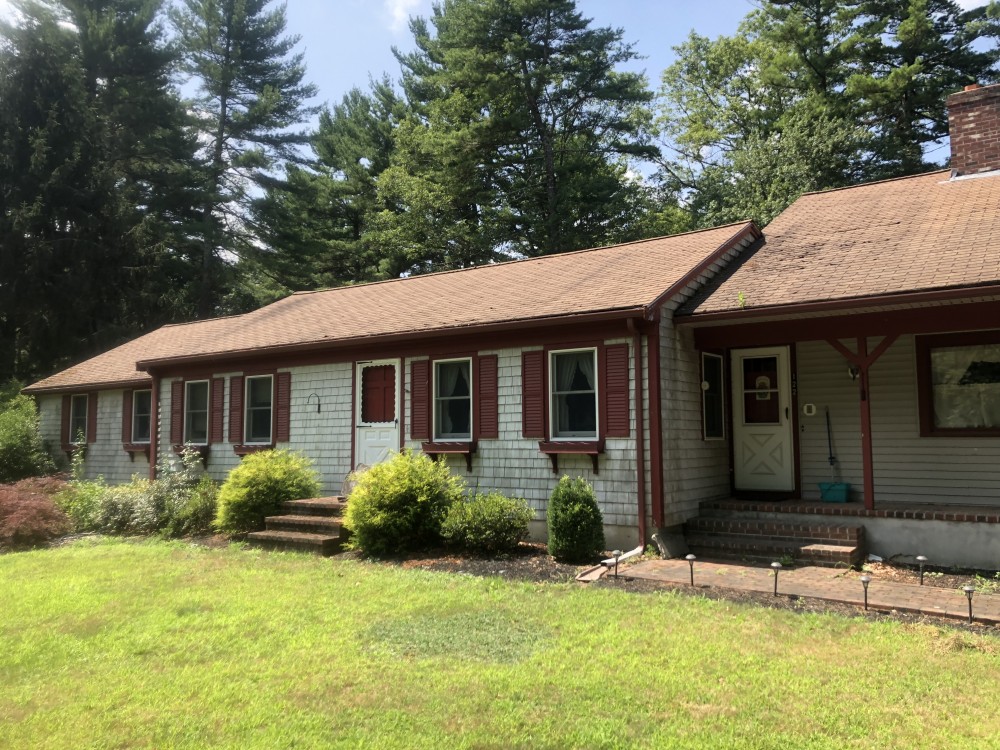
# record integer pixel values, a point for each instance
(347, 40)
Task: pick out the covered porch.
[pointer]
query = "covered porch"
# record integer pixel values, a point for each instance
(892, 410)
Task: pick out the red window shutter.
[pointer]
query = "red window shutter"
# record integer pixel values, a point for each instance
(218, 398)
(236, 409)
(420, 396)
(64, 429)
(533, 394)
(616, 391)
(92, 417)
(177, 412)
(487, 417)
(127, 417)
(283, 408)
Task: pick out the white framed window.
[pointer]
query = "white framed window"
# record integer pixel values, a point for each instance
(196, 412)
(142, 416)
(78, 419)
(713, 397)
(573, 394)
(257, 423)
(453, 399)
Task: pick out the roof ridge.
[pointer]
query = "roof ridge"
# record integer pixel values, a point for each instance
(513, 261)
(200, 320)
(873, 182)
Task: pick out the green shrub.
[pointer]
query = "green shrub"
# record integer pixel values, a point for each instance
(487, 523)
(259, 485)
(21, 451)
(81, 501)
(120, 506)
(193, 516)
(576, 530)
(29, 518)
(400, 504)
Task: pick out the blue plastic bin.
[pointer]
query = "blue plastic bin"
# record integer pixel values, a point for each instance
(833, 492)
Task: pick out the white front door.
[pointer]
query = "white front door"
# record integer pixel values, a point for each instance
(763, 450)
(376, 411)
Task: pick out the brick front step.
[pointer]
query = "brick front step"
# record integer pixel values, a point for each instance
(794, 531)
(316, 506)
(762, 548)
(322, 544)
(332, 526)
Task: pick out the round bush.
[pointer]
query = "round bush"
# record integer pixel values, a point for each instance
(259, 485)
(29, 518)
(21, 451)
(487, 523)
(400, 504)
(576, 529)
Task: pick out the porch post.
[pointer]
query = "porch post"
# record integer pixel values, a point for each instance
(867, 459)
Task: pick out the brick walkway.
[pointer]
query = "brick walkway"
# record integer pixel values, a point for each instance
(830, 584)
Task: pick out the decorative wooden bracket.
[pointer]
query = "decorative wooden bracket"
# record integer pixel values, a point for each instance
(133, 448)
(555, 448)
(464, 448)
(246, 450)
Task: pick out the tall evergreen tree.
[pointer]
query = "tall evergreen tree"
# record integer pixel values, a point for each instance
(522, 133)
(252, 95)
(93, 168)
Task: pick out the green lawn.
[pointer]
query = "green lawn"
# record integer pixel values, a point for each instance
(162, 645)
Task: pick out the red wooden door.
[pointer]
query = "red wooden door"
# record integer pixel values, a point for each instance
(378, 394)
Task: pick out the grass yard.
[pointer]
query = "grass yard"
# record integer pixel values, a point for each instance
(164, 645)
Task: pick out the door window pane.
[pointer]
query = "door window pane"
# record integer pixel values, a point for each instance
(378, 394)
(760, 391)
(713, 397)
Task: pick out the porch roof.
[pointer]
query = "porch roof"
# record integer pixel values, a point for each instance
(853, 245)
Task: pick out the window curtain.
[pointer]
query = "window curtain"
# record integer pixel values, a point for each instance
(448, 379)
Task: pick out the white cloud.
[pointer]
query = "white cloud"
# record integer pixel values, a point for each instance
(399, 12)
(6, 9)
(970, 4)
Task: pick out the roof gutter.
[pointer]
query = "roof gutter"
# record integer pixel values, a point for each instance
(356, 341)
(840, 305)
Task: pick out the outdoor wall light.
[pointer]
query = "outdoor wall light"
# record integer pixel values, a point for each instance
(865, 580)
(616, 554)
(776, 566)
(969, 591)
(691, 559)
(310, 397)
(922, 560)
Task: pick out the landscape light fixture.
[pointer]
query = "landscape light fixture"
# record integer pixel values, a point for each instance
(865, 580)
(616, 554)
(922, 560)
(776, 566)
(969, 591)
(691, 559)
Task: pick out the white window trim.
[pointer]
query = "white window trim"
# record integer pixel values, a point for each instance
(722, 390)
(436, 435)
(246, 411)
(597, 397)
(208, 410)
(71, 438)
(134, 414)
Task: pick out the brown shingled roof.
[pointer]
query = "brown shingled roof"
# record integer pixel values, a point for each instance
(893, 237)
(614, 279)
(624, 277)
(116, 368)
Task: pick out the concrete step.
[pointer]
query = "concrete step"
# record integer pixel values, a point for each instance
(321, 544)
(331, 525)
(316, 506)
(802, 531)
(763, 548)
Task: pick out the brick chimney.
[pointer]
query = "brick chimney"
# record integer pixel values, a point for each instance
(974, 124)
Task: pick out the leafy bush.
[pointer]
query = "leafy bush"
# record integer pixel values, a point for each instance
(81, 500)
(576, 530)
(21, 451)
(29, 518)
(487, 523)
(400, 504)
(259, 485)
(193, 516)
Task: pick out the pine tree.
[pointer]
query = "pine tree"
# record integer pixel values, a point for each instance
(252, 95)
